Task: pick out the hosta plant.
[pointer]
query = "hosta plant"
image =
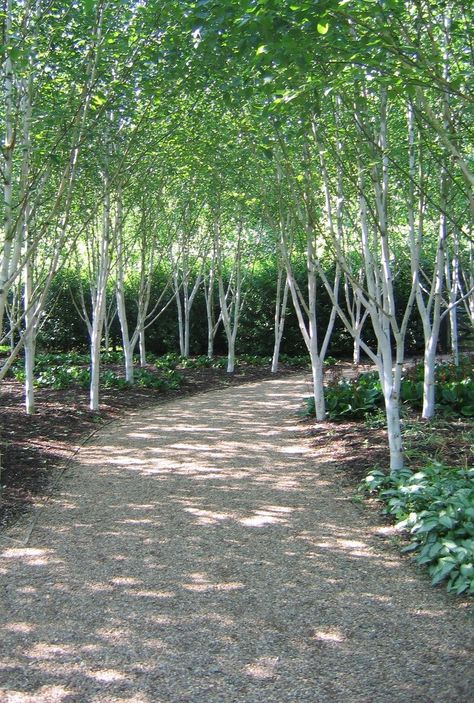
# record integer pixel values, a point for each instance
(435, 509)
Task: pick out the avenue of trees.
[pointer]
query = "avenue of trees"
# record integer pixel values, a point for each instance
(251, 169)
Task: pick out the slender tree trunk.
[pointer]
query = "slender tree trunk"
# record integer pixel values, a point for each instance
(8, 148)
(452, 285)
(142, 346)
(128, 348)
(99, 301)
(280, 314)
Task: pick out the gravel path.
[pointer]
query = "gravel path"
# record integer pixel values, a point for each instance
(196, 554)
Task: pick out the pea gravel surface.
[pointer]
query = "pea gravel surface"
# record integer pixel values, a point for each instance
(195, 553)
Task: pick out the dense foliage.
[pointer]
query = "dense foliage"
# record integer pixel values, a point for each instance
(358, 397)
(435, 508)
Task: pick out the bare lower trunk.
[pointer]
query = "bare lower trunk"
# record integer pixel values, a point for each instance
(29, 341)
(429, 386)
(392, 410)
(280, 313)
(142, 346)
(317, 371)
(30, 349)
(179, 310)
(95, 364)
(230, 354)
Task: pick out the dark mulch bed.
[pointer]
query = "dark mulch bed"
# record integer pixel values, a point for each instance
(34, 447)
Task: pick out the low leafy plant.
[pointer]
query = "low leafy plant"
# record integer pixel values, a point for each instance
(435, 507)
(109, 379)
(254, 360)
(454, 390)
(350, 398)
(196, 362)
(61, 377)
(295, 361)
(219, 362)
(58, 377)
(168, 361)
(353, 398)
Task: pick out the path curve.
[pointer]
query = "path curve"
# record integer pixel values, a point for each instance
(196, 554)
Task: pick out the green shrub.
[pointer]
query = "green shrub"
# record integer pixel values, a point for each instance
(168, 361)
(109, 379)
(350, 398)
(454, 390)
(254, 360)
(302, 361)
(435, 507)
(197, 362)
(355, 398)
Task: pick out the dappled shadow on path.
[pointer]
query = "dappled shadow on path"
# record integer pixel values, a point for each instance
(197, 555)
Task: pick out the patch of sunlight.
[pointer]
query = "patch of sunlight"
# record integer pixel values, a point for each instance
(107, 675)
(266, 517)
(140, 435)
(22, 627)
(137, 521)
(263, 668)
(294, 450)
(429, 613)
(100, 587)
(279, 508)
(33, 557)
(380, 599)
(126, 460)
(191, 428)
(46, 694)
(44, 650)
(193, 447)
(211, 587)
(329, 635)
(357, 548)
(125, 581)
(150, 594)
(208, 517)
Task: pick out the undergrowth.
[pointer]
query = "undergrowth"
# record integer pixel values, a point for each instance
(435, 508)
(362, 396)
(62, 371)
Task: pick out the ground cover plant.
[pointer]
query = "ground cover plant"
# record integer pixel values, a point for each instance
(432, 501)
(435, 508)
(360, 396)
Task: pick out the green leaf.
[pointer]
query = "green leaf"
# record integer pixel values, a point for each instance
(444, 567)
(322, 28)
(263, 49)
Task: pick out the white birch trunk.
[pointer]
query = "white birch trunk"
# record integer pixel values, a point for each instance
(8, 148)
(179, 310)
(128, 348)
(142, 347)
(230, 300)
(99, 301)
(209, 297)
(453, 288)
(281, 303)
